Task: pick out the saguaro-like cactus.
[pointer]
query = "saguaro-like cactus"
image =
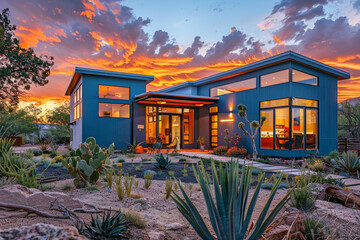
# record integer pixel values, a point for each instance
(87, 161)
(254, 126)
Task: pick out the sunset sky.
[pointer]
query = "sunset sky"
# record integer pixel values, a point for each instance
(178, 41)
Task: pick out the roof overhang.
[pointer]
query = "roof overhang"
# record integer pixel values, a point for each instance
(168, 99)
(88, 71)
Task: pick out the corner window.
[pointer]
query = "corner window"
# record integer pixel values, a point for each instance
(233, 87)
(280, 131)
(112, 92)
(77, 98)
(301, 77)
(114, 110)
(274, 78)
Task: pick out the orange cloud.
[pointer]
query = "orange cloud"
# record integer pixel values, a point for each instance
(265, 25)
(30, 36)
(278, 41)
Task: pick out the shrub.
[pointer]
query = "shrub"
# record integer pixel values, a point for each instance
(131, 155)
(107, 227)
(161, 162)
(314, 229)
(59, 158)
(46, 187)
(128, 182)
(318, 166)
(11, 165)
(87, 161)
(148, 177)
(234, 151)
(134, 218)
(92, 188)
(53, 154)
(145, 159)
(168, 188)
(182, 160)
(221, 150)
(230, 193)
(301, 198)
(66, 187)
(349, 161)
(37, 152)
(119, 187)
(109, 173)
(121, 160)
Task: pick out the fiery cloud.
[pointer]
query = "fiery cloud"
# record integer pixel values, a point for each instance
(107, 35)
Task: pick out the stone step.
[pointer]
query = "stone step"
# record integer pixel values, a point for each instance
(351, 181)
(335, 176)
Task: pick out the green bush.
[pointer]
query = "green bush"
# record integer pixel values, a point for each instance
(301, 198)
(220, 150)
(314, 230)
(229, 217)
(37, 152)
(107, 227)
(53, 154)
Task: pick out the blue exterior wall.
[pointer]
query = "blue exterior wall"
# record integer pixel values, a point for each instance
(107, 130)
(325, 93)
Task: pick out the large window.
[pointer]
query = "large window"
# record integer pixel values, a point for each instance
(114, 110)
(113, 92)
(280, 131)
(188, 126)
(233, 87)
(213, 114)
(77, 99)
(150, 125)
(274, 78)
(304, 78)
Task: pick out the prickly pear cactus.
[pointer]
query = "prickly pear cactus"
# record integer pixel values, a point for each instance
(87, 161)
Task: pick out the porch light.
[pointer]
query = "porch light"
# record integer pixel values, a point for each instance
(227, 120)
(161, 102)
(199, 104)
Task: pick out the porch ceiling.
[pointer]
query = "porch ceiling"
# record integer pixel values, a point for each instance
(168, 99)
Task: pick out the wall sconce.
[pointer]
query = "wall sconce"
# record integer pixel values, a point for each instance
(227, 120)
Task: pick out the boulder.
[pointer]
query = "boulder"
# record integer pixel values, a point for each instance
(139, 149)
(174, 226)
(18, 194)
(42, 231)
(338, 211)
(154, 235)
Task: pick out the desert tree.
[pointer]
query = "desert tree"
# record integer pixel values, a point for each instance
(254, 126)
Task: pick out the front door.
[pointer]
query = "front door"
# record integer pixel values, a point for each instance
(169, 128)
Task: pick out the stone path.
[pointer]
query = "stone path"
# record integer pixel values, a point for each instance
(349, 182)
(262, 166)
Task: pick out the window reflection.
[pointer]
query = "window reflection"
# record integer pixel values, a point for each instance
(114, 110)
(274, 78)
(305, 102)
(274, 103)
(311, 129)
(304, 78)
(112, 92)
(233, 87)
(282, 133)
(267, 130)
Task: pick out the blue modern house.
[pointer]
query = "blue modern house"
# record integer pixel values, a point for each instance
(296, 94)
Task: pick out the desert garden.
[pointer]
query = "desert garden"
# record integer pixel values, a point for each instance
(95, 193)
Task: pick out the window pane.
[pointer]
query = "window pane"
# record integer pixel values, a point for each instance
(311, 129)
(150, 126)
(282, 136)
(274, 78)
(275, 103)
(74, 98)
(189, 126)
(267, 129)
(164, 129)
(80, 92)
(114, 92)
(213, 109)
(305, 102)
(214, 118)
(233, 87)
(304, 78)
(298, 128)
(114, 110)
(170, 110)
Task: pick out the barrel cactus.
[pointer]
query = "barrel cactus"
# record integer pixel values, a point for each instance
(87, 161)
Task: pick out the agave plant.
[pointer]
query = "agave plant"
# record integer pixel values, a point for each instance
(230, 215)
(109, 227)
(134, 145)
(349, 161)
(162, 162)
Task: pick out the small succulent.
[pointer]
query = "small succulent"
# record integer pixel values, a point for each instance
(162, 162)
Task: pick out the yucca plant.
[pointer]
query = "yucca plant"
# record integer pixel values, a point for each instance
(230, 215)
(349, 161)
(162, 162)
(109, 227)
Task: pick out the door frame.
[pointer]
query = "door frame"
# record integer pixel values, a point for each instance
(170, 127)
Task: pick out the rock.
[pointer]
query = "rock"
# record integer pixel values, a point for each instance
(315, 188)
(174, 226)
(42, 231)
(18, 194)
(138, 206)
(139, 149)
(338, 210)
(154, 235)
